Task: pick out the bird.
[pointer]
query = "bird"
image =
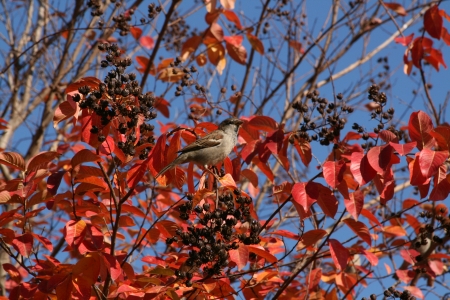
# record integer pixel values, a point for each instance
(210, 149)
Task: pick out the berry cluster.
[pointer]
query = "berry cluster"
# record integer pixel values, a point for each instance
(392, 292)
(331, 113)
(215, 235)
(119, 98)
(177, 27)
(186, 80)
(121, 21)
(383, 116)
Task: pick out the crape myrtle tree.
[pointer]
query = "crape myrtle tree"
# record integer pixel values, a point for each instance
(315, 202)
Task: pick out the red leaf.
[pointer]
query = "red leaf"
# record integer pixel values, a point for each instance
(405, 41)
(12, 272)
(251, 176)
(256, 43)
(162, 105)
(372, 258)
(420, 126)
(228, 181)
(403, 149)
(232, 17)
(65, 110)
(235, 40)
(430, 161)
(360, 229)
(75, 232)
(190, 46)
(147, 42)
(12, 159)
(416, 177)
(143, 62)
(432, 22)
(157, 157)
(239, 256)
(325, 198)
(311, 237)
(136, 32)
(415, 291)
(286, 234)
(23, 244)
(436, 266)
(417, 52)
(301, 197)
(379, 158)
(260, 251)
(435, 58)
(397, 8)
(445, 36)
(217, 31)
(333, 172)
(405, 275)
(41, 160)
(339, 254)
(44, 241)
(354, 203)
(126, 221)
(361, 169)
(296, 46)
(388, 136)
(135, 173)
(314, 278)
(83, 156)
(366, 213)
(441, 185)
(237, 53)
(304, 150)
(442, 136)
(264, 168)
(263, 123)
(114, 266)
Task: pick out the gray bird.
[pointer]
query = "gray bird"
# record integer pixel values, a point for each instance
(210, 149)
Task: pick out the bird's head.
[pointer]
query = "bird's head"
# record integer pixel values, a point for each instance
(230, 123)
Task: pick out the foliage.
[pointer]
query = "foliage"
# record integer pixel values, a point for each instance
(305, 207)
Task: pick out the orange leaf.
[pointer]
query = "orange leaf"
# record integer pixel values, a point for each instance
(395, 230)
(228, 181)
(397, 8)
(136, 32)
(83, 156)
(239, 256)
(75, 232)
(311, 237)
(232, 17)
(360, 229)
(237, 53)
(296, 46)
(126, 221)
(41, 160)
(260, 251)
(256, 43)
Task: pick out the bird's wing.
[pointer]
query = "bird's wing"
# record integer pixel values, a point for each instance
(210, 140)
